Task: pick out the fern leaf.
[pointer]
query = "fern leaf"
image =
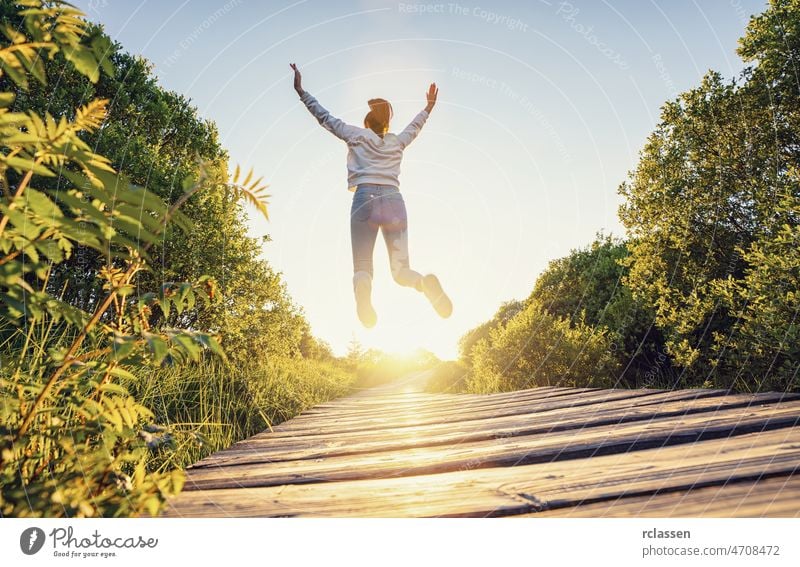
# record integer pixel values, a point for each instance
(255, 193)
(90, 116)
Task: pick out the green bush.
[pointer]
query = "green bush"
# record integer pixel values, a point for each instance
(587, 285)
(580, 296)
(536, 348)
(472, 337)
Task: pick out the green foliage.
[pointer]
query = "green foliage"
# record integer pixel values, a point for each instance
(251, 190)
(761, 351)
(586, 281)
(50, 28)
(73, 441)
(205, 407)
(471, 338)
(587, 285)
(584, 291)
(704, 291)
(772, 41)
(159, 140)
(536, 348)
(312, 348)
(708, 188)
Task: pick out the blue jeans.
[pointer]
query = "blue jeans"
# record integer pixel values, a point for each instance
(381, 207)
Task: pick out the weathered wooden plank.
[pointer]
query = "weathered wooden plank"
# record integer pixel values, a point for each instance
(688, 469)
(568, 444)
(377, 398)
(297, 427)
(493, 492)
(380, 400)
(268, 449)
(354, 402)
(777, 497)
(413, 427)
(454, 404)
(604, 403)
(412, 419)
(391, 409)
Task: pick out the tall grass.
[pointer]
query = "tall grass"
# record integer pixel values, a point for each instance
(208, 406)
(200, 407)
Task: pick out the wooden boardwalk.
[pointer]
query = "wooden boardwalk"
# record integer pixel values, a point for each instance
(396, 451)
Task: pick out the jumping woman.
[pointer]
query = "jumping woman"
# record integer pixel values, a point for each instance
(373, 167)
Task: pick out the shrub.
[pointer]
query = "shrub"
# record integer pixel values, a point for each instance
(587, 285)
(536, 348)
(472, 337)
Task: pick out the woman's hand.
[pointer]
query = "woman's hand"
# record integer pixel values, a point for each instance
(297, 79)
(433, 92)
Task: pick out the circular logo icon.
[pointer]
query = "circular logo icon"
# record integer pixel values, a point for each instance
(31, 540)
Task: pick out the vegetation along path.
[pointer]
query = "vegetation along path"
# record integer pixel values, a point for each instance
(397, 451)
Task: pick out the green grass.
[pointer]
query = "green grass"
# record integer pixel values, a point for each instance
(208, 406)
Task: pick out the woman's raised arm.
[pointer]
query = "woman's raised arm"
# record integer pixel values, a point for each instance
(431, 95)
(332, 124)
(407, 136)
(298, 80)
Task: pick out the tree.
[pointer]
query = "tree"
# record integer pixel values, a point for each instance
(704, 290)
(73, 441)
(707, 188)
(355, 353)
(158, 139)
(762, 349)
(153, 135)
(584, 289)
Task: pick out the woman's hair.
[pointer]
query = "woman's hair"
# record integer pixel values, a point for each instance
(379, 115)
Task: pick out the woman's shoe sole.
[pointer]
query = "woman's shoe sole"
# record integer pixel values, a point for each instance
(436, 295)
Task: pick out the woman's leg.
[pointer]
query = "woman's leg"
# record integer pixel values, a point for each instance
(397, 246)
(362, 237)
(395, 233)
(363, 233)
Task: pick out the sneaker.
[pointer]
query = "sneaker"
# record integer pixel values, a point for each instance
(362, 285)
(438, 298)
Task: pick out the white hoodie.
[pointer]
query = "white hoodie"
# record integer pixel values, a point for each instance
(370, 158)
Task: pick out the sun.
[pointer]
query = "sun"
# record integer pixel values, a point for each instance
(407, 325)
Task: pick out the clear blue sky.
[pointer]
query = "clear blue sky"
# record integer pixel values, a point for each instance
(543, 108)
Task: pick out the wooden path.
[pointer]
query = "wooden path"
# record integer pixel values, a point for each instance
(396, 451)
